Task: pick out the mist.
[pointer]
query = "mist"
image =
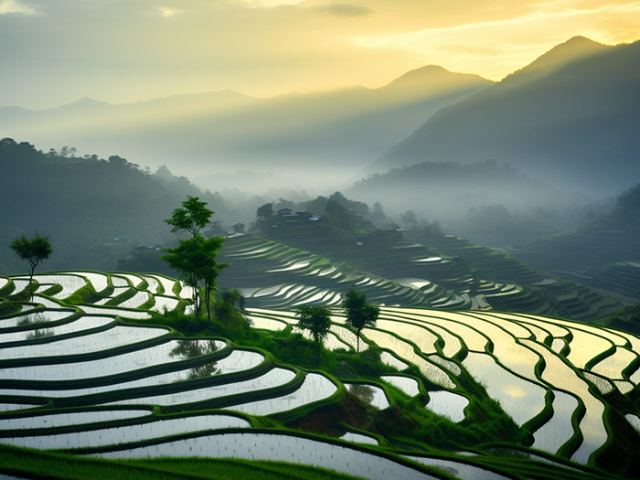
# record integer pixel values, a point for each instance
(547, 150)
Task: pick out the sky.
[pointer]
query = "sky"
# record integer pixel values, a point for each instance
(54, 52)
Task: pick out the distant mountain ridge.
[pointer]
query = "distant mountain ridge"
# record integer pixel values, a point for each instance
(227, 131)
(559, 57)
(574, 112)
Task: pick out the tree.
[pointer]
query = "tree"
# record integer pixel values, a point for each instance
(195, 258)
(68, 152)
(192, 218)
(377, 214)
(359, 313)
(265, 215)
(316, 319)
(339, 217)
(195, 262)
(409, 219)
(265, 212)
(355, 206)
(33, 250)
(230, 305)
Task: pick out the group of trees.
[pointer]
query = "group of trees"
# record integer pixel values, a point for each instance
(359, 315)
(339, 213)
(195, 261)
(86, 203)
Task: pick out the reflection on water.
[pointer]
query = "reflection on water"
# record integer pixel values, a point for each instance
(187, 349)
(36, 334)
(35, 319)
(363, 392)
(275, 447)
(371, 394)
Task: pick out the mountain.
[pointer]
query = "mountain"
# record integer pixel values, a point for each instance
(227, 132)
(89, 118)
(573, 114)
(95, 210)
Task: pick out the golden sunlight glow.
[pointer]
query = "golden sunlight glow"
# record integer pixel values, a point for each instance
(270, 3)
(12, 6)
(495, 48)
(515, 392)
(169, 12)
(270, 47)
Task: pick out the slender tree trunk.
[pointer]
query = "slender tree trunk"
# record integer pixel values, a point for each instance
(33, 269)
(207, 297)
(196, 297)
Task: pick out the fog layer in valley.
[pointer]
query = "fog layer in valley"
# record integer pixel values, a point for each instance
(328, 137)
(545, 150)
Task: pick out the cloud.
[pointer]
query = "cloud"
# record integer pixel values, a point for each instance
(345, 10)
(494, 47)
(169, 12)
(270, 3)
(12, 6)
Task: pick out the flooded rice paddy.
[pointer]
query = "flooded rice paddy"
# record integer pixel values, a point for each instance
(82, 366)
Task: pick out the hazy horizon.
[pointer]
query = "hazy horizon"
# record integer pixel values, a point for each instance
(266, 140)
(57, 52)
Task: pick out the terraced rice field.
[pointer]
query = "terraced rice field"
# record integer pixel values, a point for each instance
(75, 376)
(506, 367)
(569, 299)
(569, 255)
(273, 275)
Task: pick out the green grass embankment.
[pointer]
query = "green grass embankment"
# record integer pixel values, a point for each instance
(29, 463)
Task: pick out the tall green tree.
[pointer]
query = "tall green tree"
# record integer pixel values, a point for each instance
(195, 262)
(359, 313)
(315, 319)
(34, 250)
(195, 258)
(193, 217)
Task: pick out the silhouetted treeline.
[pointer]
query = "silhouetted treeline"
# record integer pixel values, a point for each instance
(337, 213)
(95, 210)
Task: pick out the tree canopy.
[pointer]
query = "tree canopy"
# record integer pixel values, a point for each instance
(193, 217)
(265, 212)
(89, 206)
(359, 313)
(34, 250)
(315, 319)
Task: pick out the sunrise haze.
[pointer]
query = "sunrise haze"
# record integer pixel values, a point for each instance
(58, 51)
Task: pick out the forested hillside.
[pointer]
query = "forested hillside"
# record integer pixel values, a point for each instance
(94, 209)
(300, 133)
